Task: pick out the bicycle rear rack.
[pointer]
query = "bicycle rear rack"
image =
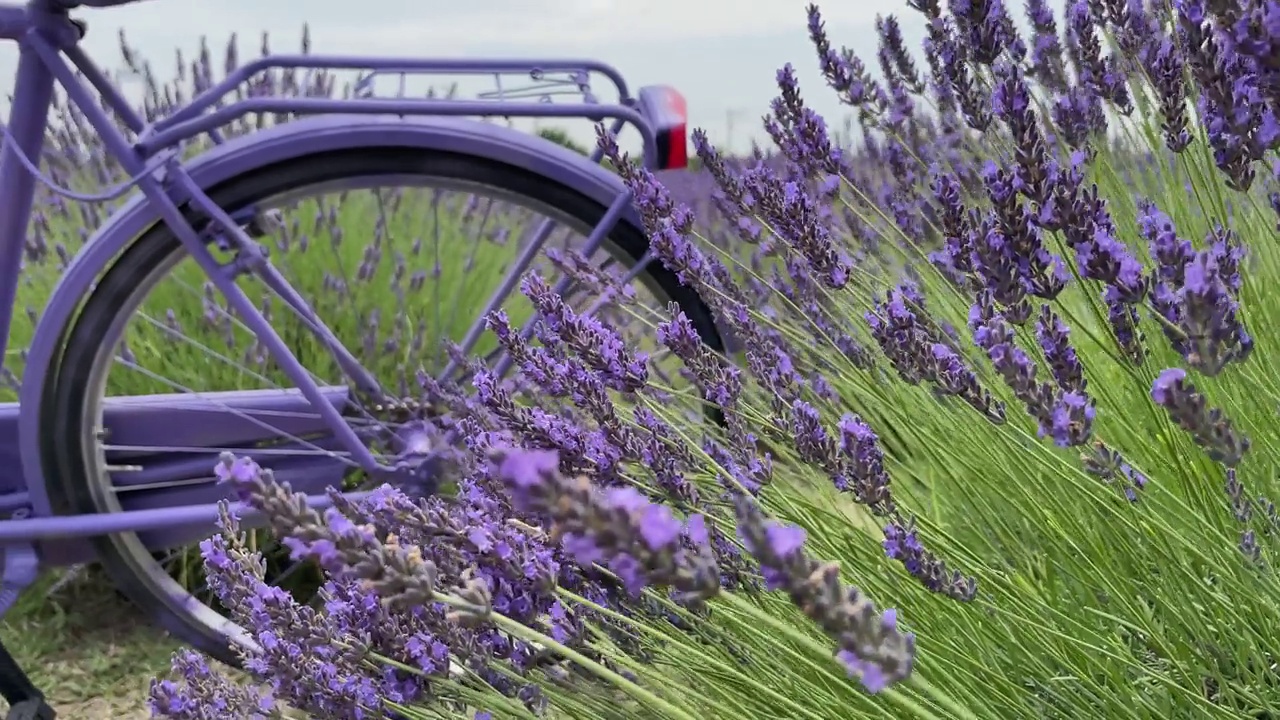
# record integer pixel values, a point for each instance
(521, 88)
(662, 106)
(541, 85)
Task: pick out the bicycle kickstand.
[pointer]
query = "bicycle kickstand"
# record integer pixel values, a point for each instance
(26, 702)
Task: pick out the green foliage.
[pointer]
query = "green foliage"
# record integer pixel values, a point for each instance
(560, 137)
(1089, 606)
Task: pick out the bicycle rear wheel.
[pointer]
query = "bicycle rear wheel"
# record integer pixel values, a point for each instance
(150, 328)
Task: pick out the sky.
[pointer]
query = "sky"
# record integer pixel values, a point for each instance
(721, 54)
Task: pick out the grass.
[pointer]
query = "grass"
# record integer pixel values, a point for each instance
(86, 647)
(1139, 611)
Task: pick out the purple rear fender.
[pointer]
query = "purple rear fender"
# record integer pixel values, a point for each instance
(244, 155)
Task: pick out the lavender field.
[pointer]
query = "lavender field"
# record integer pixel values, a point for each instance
(999, 435)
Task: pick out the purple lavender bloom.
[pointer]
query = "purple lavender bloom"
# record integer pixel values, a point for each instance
(1237, 117)
(1227, 252)
(1055, 341)
(345, 549)
(868, 643)
(1210, 316)
(800, 133)
(1071, 420)
(1106, 259)
(1110, 466)
(1210, 428)
(1011, 101)
(1046, 46)
(638, 540)
(204, 693)
(1123, 318)
(1171, 253)
(1165, 68)
(1195, 293)
(917, 352)
(1039, 272)
(955, 258)
(1066, 416)
(1102, 76)
(794, 215)
(844, 72)
(949, 66)
(1078, 116)
(307, 659)
(870, 481)
(599, 346)
(997, 262)
(902, 543)
(895, 58)
(988, 29)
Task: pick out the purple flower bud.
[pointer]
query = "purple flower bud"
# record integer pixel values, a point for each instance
(1046, 47)
(915, 351)
(1055, 341)
(1165, 68)
(1066, 416)
(637, 539)
(1071, 420)
(868, 643)
(844, 72)
(1110, 466)
(901, 543)
(1210, 428)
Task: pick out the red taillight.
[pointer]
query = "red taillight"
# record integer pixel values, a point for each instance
(668, 114)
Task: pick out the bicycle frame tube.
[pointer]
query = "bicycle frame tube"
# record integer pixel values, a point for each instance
(155, 186)
(48, 55)
(28, 120)
(161, 136)
(196, 520)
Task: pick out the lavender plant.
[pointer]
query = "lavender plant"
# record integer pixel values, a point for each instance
(1002, 368)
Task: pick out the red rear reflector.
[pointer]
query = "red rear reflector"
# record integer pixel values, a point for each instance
(668, 113)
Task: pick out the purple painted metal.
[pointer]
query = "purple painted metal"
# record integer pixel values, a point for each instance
(46, 36)
(176, 428)
(197, 520)
(439, 108)
(156, 187)
(278, 144)
(213, 420)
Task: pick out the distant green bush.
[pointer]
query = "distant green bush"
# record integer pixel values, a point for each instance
(560, 137)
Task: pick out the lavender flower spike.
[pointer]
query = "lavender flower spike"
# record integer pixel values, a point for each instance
(638, 540)
(398, 574)
(205, 692)
(1054, 338)
(869, 643)
(1209, 428)
(902, 543)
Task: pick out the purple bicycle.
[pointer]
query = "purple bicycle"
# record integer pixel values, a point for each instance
(254, 233)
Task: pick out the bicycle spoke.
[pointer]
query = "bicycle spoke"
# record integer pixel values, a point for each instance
(521, 265)
(406, 272)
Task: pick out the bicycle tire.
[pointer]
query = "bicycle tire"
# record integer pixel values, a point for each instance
(67, 451)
